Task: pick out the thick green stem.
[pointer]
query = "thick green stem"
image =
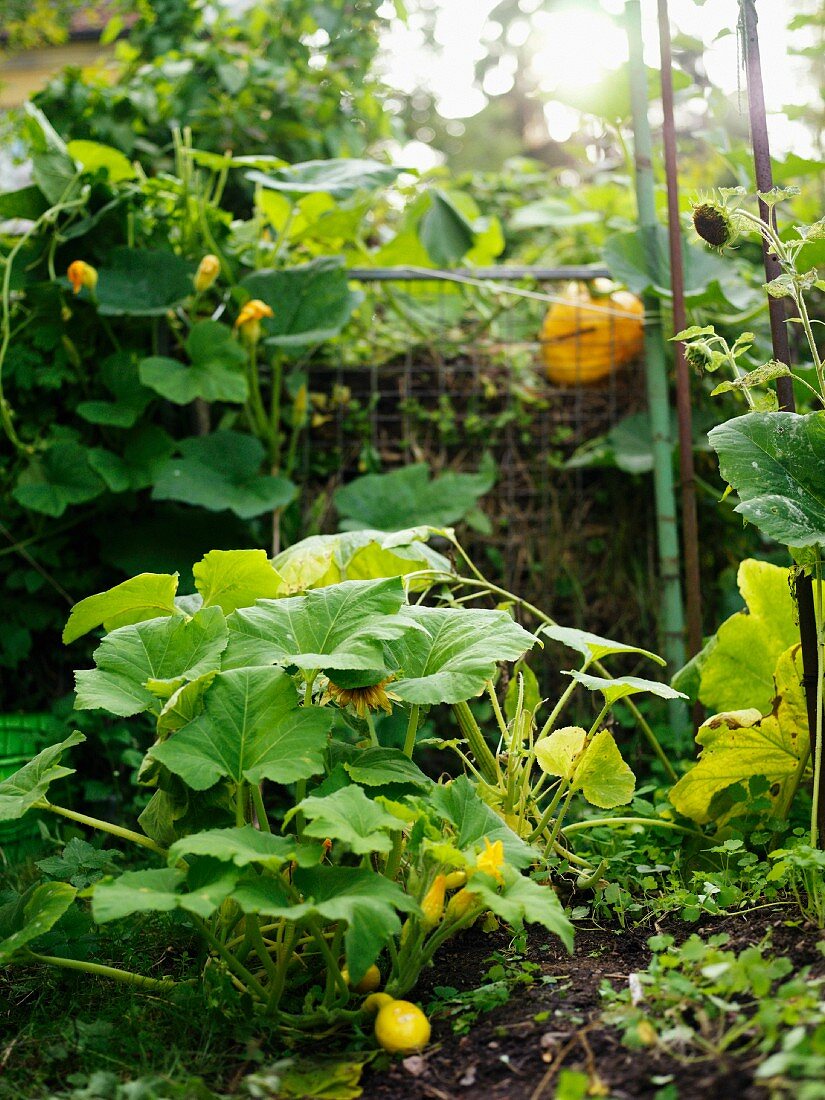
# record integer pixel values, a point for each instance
(260, 809)
(115, 973)
(537, 613)
(237, 968)
(103, 826)
(544, 821)
(412, 730)
(475, 738)
(329, 958)
(284, 958)
(597, 822)
(820, 671)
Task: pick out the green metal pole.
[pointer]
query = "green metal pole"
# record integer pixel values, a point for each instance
(672, 622)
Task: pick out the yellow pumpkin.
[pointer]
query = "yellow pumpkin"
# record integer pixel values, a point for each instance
(583, 341)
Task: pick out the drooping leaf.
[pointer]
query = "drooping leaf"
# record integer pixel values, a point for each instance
(737, 745)
(251, 729)
(591, 646)
(595, 768)
(244, 846)
(774, 462)
(340, 627)
(174, 649)
(377, 767)
(351, 818)
(340, 178)
(444, 231)
(456, 653)
(602, 776)
(365, 901)
(209, 883)
(32, 915)
(146, 596)
(230, 579)
(407, 497)
(216, 371)
(523, 901)
(223, 471)
(473, 819)
(311, 302)
(321, 560)
(28, 786)
(738, 671)
(56, 478)
(623, 686)
(137, 282)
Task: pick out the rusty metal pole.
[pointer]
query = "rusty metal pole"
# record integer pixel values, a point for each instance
(690, 525)
(781, 347)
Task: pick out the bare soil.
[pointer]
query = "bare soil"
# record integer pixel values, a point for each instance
(510, 1054)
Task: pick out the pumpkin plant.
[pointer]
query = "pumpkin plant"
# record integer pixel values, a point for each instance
(303, 849)
(772, 460)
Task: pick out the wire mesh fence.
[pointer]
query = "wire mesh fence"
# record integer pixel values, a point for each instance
(446, 367)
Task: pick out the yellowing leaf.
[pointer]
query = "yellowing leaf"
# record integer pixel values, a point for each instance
(596, 769)
(740, 744)
(230, 579)
(557, 753)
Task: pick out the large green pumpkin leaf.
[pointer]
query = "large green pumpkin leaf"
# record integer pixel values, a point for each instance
(737, 745)
(408, 497)
(365, 901)
(223, 471)
(623, 686)
(775, 462)
(56, 478)
(184, 704)
(458, 803)
(246, 845)
(340, 178)
(311, 302)
(28, 786)
(521, 900)
(230, 579)
(144, 453)
(455, 654)
(738, 671)
(251, 729)
(591, 646)
(321, 560)
(340, 627)
(350, 817)
(174, 649)
(137, 282)
(143, 597)
(595, 768)
(32, 915)
(209, 883)
(216, 372)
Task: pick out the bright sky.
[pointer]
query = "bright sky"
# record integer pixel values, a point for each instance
(576, 48)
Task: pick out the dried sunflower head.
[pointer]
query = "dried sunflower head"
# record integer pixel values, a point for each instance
(715, 222)
(361, 691)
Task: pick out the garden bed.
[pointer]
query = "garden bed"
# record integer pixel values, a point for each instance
(519, 1049)
(57, 1031)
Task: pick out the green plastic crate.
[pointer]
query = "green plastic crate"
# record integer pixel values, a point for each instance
(22, 736)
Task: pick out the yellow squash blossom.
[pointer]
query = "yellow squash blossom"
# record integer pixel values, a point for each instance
(491, 859)
(208, 270)
(81, 274)
(250, 317)
(432, 906)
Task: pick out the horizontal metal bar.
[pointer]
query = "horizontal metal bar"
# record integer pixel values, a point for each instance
(502, 274)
